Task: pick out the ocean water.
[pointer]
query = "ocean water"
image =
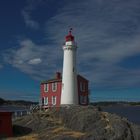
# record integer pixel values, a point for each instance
(128, 94)
(17, 111)
(132, 113)
(12, 108)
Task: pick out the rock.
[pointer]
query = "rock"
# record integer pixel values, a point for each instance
(79, 123)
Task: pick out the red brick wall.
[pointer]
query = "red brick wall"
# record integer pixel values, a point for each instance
(51, 93)
(84, 92)
(81, 93)
(6, 124)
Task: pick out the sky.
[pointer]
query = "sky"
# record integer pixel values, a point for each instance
(107, 32)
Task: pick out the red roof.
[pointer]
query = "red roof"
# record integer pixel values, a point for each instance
(69, 37)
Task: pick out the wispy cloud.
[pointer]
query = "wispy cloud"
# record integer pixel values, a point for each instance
(107, 32)
(35, 61)
(28, 11)
(39, 61)
(28, 21)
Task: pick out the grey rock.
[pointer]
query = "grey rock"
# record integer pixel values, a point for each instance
(88, 120)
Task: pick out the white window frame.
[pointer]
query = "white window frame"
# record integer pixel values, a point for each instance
(53, 100)
(45, 100)
(82, 86)
(46, 86)
(54, 85)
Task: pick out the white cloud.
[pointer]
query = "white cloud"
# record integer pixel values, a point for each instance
(35, 61)
(39, 61)
(27, 12)
(29, 21)
(107, 32)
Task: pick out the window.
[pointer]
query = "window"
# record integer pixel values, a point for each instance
(54, 86)
(53, 100)
(82, 86)
(83, 99)
(45, 100)
(46, 87)
(42, 101)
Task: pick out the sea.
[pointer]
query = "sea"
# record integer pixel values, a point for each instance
(132, 113)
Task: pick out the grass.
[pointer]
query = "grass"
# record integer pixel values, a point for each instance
(27, 137)
(64, 131)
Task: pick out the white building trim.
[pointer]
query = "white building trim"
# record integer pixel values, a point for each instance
(53, 100)
(54, 86)
(46, 87)
(45, 100)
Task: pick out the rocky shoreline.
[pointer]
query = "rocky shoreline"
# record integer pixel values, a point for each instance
(74, 123)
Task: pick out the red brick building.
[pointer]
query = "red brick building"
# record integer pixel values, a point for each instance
(51, 91)
(6, 124)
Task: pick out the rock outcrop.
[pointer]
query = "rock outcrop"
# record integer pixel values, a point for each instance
(76, 123)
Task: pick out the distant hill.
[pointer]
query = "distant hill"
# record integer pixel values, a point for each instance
(16, 102)
(28, 103)
(108, 103)
(2, 101)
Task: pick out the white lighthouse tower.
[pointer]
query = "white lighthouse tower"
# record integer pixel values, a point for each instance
(69, 93)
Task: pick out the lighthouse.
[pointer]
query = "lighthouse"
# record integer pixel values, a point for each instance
(69, 93)
(69, 89)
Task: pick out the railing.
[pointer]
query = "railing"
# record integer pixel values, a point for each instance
(35, 108)
(19, 113)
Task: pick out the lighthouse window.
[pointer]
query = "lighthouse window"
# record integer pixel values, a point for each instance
(53, 100)
(45, 100)
(46, 87)
(82, 86)
(54, 86)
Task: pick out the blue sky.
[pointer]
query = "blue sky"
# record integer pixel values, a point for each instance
(107, 32)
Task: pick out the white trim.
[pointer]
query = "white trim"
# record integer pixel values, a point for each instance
(45, 100)
(53, 100)
(54, 86)
(46, 87)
